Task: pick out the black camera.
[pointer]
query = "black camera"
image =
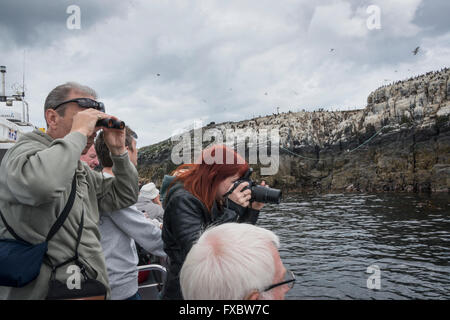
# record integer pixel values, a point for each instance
(259, 193)
(110, 123)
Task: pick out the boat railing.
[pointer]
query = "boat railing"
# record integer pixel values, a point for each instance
(155, 276)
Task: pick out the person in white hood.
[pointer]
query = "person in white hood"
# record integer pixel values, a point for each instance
(149, 202)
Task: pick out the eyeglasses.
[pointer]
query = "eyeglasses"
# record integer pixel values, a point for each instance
(289, 279)
(84, 103)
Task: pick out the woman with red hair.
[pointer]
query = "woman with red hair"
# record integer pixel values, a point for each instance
(198, 197)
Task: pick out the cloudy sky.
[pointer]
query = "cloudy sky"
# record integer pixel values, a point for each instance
(163, 65)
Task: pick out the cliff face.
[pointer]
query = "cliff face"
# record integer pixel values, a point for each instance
(399, 142)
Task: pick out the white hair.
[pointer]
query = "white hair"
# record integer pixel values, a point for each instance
(228, 262)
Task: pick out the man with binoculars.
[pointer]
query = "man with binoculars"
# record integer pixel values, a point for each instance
(37, 176)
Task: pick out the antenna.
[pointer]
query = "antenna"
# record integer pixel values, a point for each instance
(26, 116)
(3, 93)
(23, 75)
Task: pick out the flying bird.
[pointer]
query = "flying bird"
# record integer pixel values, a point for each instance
(416, 50)
(158, 74)
(332, 49)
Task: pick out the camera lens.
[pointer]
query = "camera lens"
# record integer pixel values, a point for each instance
(266, 195)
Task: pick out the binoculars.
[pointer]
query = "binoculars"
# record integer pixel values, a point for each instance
(110, 123)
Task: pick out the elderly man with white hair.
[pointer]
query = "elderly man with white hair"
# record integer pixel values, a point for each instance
(235, 261)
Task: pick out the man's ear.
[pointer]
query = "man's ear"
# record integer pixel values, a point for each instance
(51, 117)
(254, 295)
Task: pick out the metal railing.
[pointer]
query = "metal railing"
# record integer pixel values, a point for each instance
(153, 267)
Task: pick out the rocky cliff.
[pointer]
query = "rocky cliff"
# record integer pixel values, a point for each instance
(399, 142)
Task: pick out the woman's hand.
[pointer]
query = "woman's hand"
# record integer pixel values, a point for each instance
(259, 205)
(240, 197)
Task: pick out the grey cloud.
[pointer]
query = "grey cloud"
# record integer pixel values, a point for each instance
(383, 47)
(432, 16)
(41, 22)
(211, 78)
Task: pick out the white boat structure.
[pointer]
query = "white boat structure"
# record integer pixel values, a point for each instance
(14, 116)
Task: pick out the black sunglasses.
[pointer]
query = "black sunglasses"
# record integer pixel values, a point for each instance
(84, 103)
(289, 279)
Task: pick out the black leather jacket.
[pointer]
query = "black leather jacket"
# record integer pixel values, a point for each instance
(185, 217)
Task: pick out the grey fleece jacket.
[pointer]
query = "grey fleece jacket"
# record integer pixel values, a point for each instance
(35, 182)
(119, 230)
(154, 211)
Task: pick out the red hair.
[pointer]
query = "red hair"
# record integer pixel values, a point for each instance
(202, 179)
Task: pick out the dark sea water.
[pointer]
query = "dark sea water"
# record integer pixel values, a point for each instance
(329, 241)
